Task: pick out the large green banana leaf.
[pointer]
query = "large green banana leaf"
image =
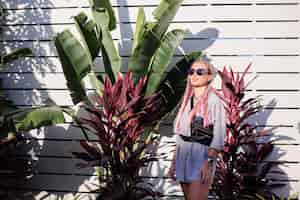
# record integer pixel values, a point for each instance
(87, 30)
(143, 52)
(36, 118)
(89, 36)
(30, 118)
(103, 13)
(164, 14)
(139, 28)
(76, 63)
(173, 84)
(162, 58)
(150, 38)
(5, 105)
(100, 5)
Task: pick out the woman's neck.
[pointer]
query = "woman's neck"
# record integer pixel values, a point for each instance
(199, 91)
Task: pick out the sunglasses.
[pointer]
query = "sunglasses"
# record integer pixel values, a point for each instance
(199, 71)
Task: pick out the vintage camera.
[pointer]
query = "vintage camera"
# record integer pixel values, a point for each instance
(200, 134)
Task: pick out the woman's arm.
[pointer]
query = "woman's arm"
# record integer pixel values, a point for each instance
(219, 130)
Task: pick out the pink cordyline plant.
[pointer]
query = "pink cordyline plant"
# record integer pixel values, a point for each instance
(241, 172)
(119, 119)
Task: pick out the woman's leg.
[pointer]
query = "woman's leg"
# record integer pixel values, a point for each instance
(198, 190)
(185, 189)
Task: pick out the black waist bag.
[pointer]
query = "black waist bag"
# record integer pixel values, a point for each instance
(199, 134)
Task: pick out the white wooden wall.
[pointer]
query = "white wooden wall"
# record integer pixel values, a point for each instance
(232, 32)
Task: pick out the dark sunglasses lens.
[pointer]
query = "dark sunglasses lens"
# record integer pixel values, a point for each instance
(190, 71)
(201, 71)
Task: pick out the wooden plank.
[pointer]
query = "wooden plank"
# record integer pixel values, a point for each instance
(38, 98)
(62, 148)
(71, 183)
(282, 135)
(62, 97)
(65, 132)
(45, 81)
(273, 117)
(270, 64)
(194, 30)
(160, 170)
(36, 194)
(156, 169)
(55, 183)
(215, 47)
(268, 117)
(67, 3)
(129, 14)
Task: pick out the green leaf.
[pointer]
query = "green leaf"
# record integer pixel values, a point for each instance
(139, 28)
(164, 14)
(150, 38)
(162, 58)
(101, 11)
(100, 6)
(89, 36)
(38, 117)
(143, 52)
(15, 54)
(259, 196)
(173, 84)
(6, 105)
(87, 30)
(76, 63)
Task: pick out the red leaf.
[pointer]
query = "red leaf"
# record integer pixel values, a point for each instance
(90, 149)
(265, 150)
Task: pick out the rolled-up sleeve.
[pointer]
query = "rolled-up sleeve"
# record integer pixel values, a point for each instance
(219, 129)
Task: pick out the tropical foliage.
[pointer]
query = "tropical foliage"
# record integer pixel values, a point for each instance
(241, 172)
(152, 50)
(121, 116)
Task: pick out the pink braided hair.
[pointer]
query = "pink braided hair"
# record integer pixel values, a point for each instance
(201, 106)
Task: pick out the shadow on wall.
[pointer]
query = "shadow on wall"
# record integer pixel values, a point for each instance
(29, 25)
(280, 152)
(26, 26)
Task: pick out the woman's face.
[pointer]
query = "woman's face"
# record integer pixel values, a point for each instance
(199, 80)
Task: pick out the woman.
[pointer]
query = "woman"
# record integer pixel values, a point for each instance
(194, 162)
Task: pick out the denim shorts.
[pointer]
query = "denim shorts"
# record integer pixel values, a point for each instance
(190, 157)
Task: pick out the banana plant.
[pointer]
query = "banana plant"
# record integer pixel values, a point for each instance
(152, 50)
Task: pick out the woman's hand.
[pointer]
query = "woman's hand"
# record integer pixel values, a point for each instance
(206, 172)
